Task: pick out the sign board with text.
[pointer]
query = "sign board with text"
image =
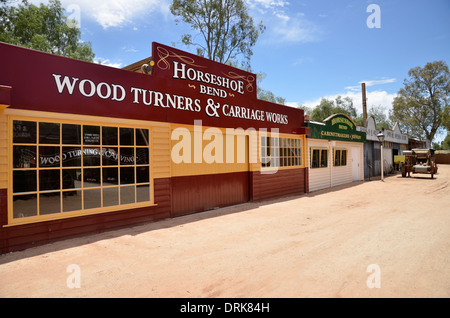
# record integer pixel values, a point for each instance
(336, 127)
(183, 88)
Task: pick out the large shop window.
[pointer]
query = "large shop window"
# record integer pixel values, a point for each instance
(60, 168)
(319, 158)
(280, 152)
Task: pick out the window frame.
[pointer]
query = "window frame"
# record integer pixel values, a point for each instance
(319, 159)
(342, 159)
(281, 152)
(67, 169)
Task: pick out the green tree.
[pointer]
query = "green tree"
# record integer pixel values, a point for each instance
(446, 117)
(378, 113)
(225, 26)
(422, 105)
(446, 143)
(306, 109)
(44, 28)
(328, 107)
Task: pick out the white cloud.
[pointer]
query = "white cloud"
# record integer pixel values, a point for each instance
(371, 83)
(117, 13)
(283, 17)
(284, 23)
(374, 99)
(268, 4)
(108, 62)
(295, 30)
(129, 49)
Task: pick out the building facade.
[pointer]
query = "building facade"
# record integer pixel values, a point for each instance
(393, 145)
(86, 147)
(335, 152)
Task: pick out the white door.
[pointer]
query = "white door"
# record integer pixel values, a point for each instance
(356, 163)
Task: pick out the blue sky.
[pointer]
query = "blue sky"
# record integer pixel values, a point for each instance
(310, 49)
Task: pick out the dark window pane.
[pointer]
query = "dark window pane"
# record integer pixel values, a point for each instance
(72, 201)
(324, 159)
(91, 135)
(315, 158)
(49, 203)
(143, 193)
(24, 157)
(71, 134)
(110, 156)
(49, 133)
(24, 132)
(71, 157)
(49, 157)
(142, 156)
(110, 136)
(337, 157)
(110, 197)
(49, 180)
(126, 136)
(24, 181)
(91, 157)
(24, 206)
(142, 174)
(92, 199)
(91, 178)
(71, 178)
(127, 195)
(127, 175)
(142, 137)
(127, 156)
(110, 176)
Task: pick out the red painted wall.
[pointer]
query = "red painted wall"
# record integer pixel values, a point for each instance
(192, 194)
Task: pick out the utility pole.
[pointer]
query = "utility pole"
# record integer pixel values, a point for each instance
(363, 89)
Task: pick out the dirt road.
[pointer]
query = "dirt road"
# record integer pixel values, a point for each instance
(393, 236)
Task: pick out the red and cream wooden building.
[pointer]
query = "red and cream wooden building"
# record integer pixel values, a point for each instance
(86, 147)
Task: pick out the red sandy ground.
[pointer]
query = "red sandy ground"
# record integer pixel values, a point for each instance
(314, 245)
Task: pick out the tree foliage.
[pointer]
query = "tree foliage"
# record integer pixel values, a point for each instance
(225, 26)
(444, 145)
(328, 107)
(422, 105)
(381, 119)
(42, 28)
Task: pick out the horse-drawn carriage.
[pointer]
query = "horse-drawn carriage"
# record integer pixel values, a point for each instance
(419, 161)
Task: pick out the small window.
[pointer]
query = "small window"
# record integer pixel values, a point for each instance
(340, 157)
(319, 158)
(280, 152)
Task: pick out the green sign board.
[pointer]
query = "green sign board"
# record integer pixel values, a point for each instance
(336, 127)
